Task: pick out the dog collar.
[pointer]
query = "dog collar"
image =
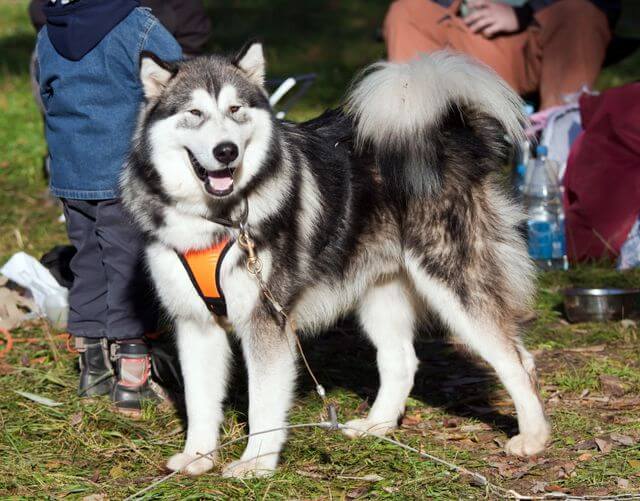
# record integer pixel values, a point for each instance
(230, 223)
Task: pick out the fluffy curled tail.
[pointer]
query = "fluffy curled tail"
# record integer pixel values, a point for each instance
(411, 114)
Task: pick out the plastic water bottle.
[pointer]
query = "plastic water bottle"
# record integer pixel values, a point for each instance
(519, 174)
(545, 215)
(523, 156)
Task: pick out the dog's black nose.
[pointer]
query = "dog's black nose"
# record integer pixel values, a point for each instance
(225, 152)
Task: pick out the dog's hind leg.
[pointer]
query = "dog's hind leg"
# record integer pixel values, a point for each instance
(498, 347)
(387, 317)
(270, 358)
(204, 354)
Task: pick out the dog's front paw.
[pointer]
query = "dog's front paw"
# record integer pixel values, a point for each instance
(526, 445)
(356, 428)
(190, 464)
(250, 468)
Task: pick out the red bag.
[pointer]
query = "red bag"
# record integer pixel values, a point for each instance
(602, 180)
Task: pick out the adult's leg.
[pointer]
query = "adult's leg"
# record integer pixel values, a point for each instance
(502, 53)
(414, 26)
(573, 39)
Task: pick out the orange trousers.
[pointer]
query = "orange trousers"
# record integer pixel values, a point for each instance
(561, 51)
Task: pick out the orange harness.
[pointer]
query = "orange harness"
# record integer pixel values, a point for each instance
(203, 267)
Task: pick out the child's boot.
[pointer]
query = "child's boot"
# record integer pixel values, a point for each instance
(96, 371)
(133, 383)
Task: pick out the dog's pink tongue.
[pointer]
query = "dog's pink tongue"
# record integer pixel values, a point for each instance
(220, 183)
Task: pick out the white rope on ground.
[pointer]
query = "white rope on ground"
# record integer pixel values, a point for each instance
(481, 480)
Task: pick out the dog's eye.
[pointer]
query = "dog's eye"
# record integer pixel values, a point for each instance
(233, 109)
(196, 113)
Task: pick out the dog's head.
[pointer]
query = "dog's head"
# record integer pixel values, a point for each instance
(207, 122)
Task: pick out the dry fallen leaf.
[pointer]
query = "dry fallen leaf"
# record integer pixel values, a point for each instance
(556, 488)
(470, 428)
(13, 307)
(623, 483)
(538, 487)
(412, 419)
(586, 445)
(512, 470)
(612, 385)
(455, 437)
(75, 419)
(364, 405)
(566, 469)
(357, 492)
(604, 445)
(622, 439)
(450, 422)
(477, 481)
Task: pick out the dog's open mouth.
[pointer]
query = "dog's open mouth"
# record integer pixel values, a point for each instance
(218, 183)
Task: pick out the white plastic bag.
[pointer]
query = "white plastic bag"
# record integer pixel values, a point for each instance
(50, 297)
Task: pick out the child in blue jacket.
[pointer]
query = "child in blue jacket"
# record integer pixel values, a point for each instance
(87, 69)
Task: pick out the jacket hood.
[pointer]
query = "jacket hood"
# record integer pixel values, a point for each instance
(76, 28)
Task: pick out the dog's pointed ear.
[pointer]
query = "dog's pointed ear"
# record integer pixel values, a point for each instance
(251, 61)
(154, 74)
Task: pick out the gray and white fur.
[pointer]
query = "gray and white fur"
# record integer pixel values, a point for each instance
(388, 207)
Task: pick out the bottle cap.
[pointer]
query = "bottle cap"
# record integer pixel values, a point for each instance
(542, 150)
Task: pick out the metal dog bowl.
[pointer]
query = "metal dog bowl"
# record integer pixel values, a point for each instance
(600, 305)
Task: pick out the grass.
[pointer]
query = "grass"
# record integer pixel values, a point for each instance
(82, 448)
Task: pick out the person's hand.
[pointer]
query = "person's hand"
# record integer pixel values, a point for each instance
(491, 18)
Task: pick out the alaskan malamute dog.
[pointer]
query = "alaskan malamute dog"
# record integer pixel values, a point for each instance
(388, 207)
